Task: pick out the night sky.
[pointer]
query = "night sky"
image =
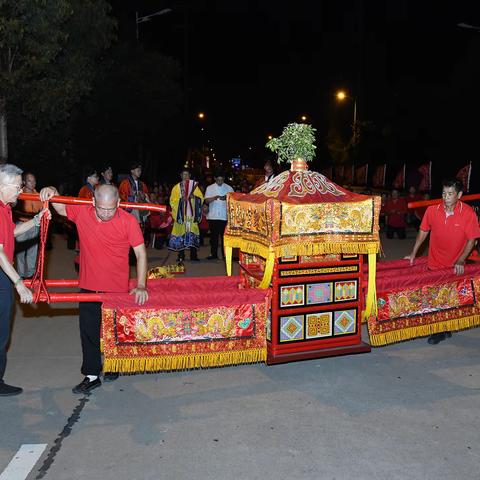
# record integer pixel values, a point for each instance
(254, 66)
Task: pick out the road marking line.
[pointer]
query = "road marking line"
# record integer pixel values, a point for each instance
(23, 461)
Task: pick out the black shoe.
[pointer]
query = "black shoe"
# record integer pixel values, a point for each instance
(212, 257)
(9, 390)
(86, 386)
(110, 376)
(437, 338)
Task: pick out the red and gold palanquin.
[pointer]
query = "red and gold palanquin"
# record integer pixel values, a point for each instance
(414, 302)
(304, 236)
(316, 305)
(187, 323)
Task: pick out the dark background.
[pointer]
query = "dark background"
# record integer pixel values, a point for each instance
(253, 67)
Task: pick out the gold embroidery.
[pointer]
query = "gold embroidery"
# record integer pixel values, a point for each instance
(345, 217)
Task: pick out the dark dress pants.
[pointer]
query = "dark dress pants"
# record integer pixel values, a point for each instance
(217, 229)
(90, 324)
(6, 307)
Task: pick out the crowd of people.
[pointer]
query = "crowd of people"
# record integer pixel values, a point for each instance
(108, 235)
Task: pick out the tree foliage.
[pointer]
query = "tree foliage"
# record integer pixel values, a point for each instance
(49, 50)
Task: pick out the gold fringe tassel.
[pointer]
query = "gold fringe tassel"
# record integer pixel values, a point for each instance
(184, 362)
(394, 336)
(228, 260)
(303, 248)
(371, 302)
(267, 275)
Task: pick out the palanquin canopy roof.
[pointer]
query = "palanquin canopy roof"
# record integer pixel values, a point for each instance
(301, 212)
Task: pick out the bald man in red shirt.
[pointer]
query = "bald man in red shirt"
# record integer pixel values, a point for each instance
(106, 234)
(453, 228)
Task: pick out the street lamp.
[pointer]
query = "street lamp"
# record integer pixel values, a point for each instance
(147, 18)
(201, 115)
(342, 96)
(303, 118)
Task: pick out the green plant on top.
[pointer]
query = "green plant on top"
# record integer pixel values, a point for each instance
(296, 141)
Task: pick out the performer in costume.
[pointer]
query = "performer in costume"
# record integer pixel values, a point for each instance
(132, 189)
(10, 188)
(186, 201)
(453, 228)
(106, 235)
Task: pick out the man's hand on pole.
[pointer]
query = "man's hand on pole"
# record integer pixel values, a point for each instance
(47, 193)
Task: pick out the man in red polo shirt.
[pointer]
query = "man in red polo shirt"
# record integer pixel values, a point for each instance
(453, 228)
(106, 234)
(10, 188)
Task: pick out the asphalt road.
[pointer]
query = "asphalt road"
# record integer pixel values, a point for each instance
(406, 411)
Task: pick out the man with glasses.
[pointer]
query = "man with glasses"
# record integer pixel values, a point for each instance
(106, 234)
(10, 188)
(453, 228)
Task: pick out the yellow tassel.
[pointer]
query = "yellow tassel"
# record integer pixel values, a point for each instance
(371, 302)
(184, 362)
(228, 260)
(394, 336)
(267, 275)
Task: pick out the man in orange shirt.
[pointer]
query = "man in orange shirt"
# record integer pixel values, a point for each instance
(27, 243)
(92, 179)
(453, 228)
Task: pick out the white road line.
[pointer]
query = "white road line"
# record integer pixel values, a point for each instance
(23, 461)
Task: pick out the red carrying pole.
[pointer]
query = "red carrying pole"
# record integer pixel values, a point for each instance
(70, 283)
(427, 203)
(70, 297)
(152, 207)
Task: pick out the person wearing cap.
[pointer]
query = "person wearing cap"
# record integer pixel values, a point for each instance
(91, 182)
(132, 189)
(216, 199)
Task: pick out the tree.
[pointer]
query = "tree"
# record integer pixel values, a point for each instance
(48, 55)
(134, 112)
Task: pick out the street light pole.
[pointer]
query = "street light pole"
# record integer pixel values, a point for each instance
(147, 18)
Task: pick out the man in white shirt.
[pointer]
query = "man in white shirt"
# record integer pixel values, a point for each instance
(216, 199)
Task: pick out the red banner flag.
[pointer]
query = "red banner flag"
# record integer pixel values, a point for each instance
(426, 181)
(361, 175)
(348, 175)
(399, 182)
(378, 180)
(464, 175)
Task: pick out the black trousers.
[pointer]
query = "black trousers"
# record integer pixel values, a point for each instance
(217, 229)
(6, 307)
(400, 231)
(90, 324)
